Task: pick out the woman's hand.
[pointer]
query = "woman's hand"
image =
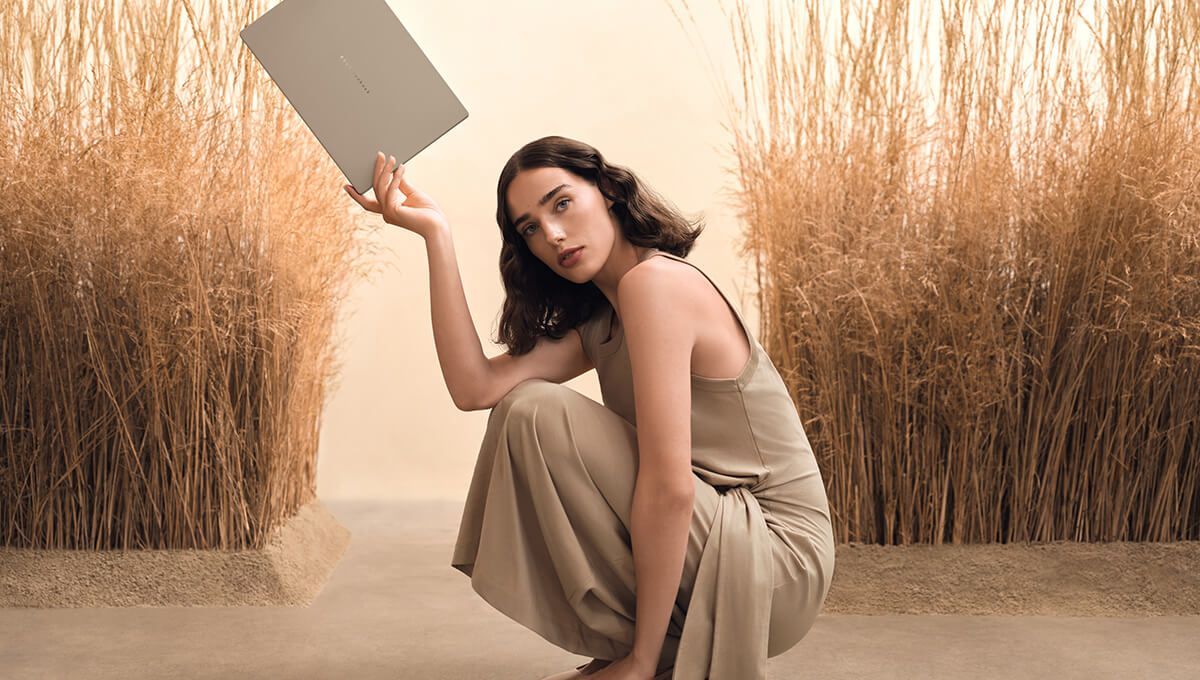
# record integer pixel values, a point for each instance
(418, 212)
(627, 668)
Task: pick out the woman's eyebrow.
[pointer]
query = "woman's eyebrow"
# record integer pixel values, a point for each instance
(547, 197)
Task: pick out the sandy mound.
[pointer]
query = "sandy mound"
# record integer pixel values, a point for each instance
(1061, 579)
(291, 570)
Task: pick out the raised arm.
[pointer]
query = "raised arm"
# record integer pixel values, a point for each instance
(474, 381)
(460, 353)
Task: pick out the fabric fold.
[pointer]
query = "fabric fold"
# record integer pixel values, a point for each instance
(536, 535)
(726, 631)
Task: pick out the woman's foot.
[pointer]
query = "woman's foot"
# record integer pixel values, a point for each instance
(581, 671)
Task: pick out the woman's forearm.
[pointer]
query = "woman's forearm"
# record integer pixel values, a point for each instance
(460, 353)
(659, 533)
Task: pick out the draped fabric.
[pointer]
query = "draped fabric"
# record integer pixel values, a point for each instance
(726, 629)
(545, 528)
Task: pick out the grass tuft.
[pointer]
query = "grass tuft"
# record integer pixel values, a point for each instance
(976, 231)
(171, 266)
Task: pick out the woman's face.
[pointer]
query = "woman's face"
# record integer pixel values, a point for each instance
(557, 212)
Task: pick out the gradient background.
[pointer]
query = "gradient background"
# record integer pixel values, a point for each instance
(625, 76)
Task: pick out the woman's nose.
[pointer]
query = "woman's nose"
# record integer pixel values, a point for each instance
(554, 234)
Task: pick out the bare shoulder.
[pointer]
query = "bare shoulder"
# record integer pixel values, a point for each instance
(670, 291)
(661, 280)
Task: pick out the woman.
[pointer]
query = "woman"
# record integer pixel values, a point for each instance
(683, 535)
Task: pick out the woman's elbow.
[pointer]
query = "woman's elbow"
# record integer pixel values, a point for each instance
(466, 402)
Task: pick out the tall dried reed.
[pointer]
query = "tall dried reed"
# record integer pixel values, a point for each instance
(975, 229)
(172, 257)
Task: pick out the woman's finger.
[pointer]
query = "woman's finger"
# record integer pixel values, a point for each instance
(393, 170)
(397, 178)
(361, 199)
(388, 175)
(381, 172)
(379, 163)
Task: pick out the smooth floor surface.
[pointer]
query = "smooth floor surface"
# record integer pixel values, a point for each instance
(394, 608)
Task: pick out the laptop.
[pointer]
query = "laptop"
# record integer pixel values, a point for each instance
(357, 79)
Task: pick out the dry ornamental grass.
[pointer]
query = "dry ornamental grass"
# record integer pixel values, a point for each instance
(172, 258)
(975, 228)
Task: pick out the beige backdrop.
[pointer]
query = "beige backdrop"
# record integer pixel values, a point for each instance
(622, 75)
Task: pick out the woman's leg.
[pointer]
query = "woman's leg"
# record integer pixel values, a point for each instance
(545, 529)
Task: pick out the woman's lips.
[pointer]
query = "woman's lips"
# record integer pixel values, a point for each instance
(572, 257)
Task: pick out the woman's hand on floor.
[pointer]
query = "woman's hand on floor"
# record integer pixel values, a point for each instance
(626, 668)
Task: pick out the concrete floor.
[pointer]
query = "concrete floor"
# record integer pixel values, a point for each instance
(395, 609)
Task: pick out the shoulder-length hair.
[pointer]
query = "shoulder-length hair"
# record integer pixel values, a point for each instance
(537, 300)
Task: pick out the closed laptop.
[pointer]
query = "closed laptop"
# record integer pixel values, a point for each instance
(357, 79)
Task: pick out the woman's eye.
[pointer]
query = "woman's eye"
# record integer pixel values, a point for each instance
(525, 230)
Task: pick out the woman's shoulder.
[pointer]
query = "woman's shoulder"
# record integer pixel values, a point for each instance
(678, 285)
(667, 275)
(668, 289)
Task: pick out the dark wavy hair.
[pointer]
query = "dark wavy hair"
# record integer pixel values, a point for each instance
(537, 300)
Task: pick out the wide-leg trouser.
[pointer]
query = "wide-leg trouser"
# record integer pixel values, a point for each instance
(545, 532)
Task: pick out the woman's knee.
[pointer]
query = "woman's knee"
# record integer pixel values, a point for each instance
(535, 407)
(529, 396)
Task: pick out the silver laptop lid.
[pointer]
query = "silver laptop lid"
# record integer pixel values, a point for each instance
(357, 79)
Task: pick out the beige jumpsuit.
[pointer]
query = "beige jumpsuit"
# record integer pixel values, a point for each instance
(545, 537)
